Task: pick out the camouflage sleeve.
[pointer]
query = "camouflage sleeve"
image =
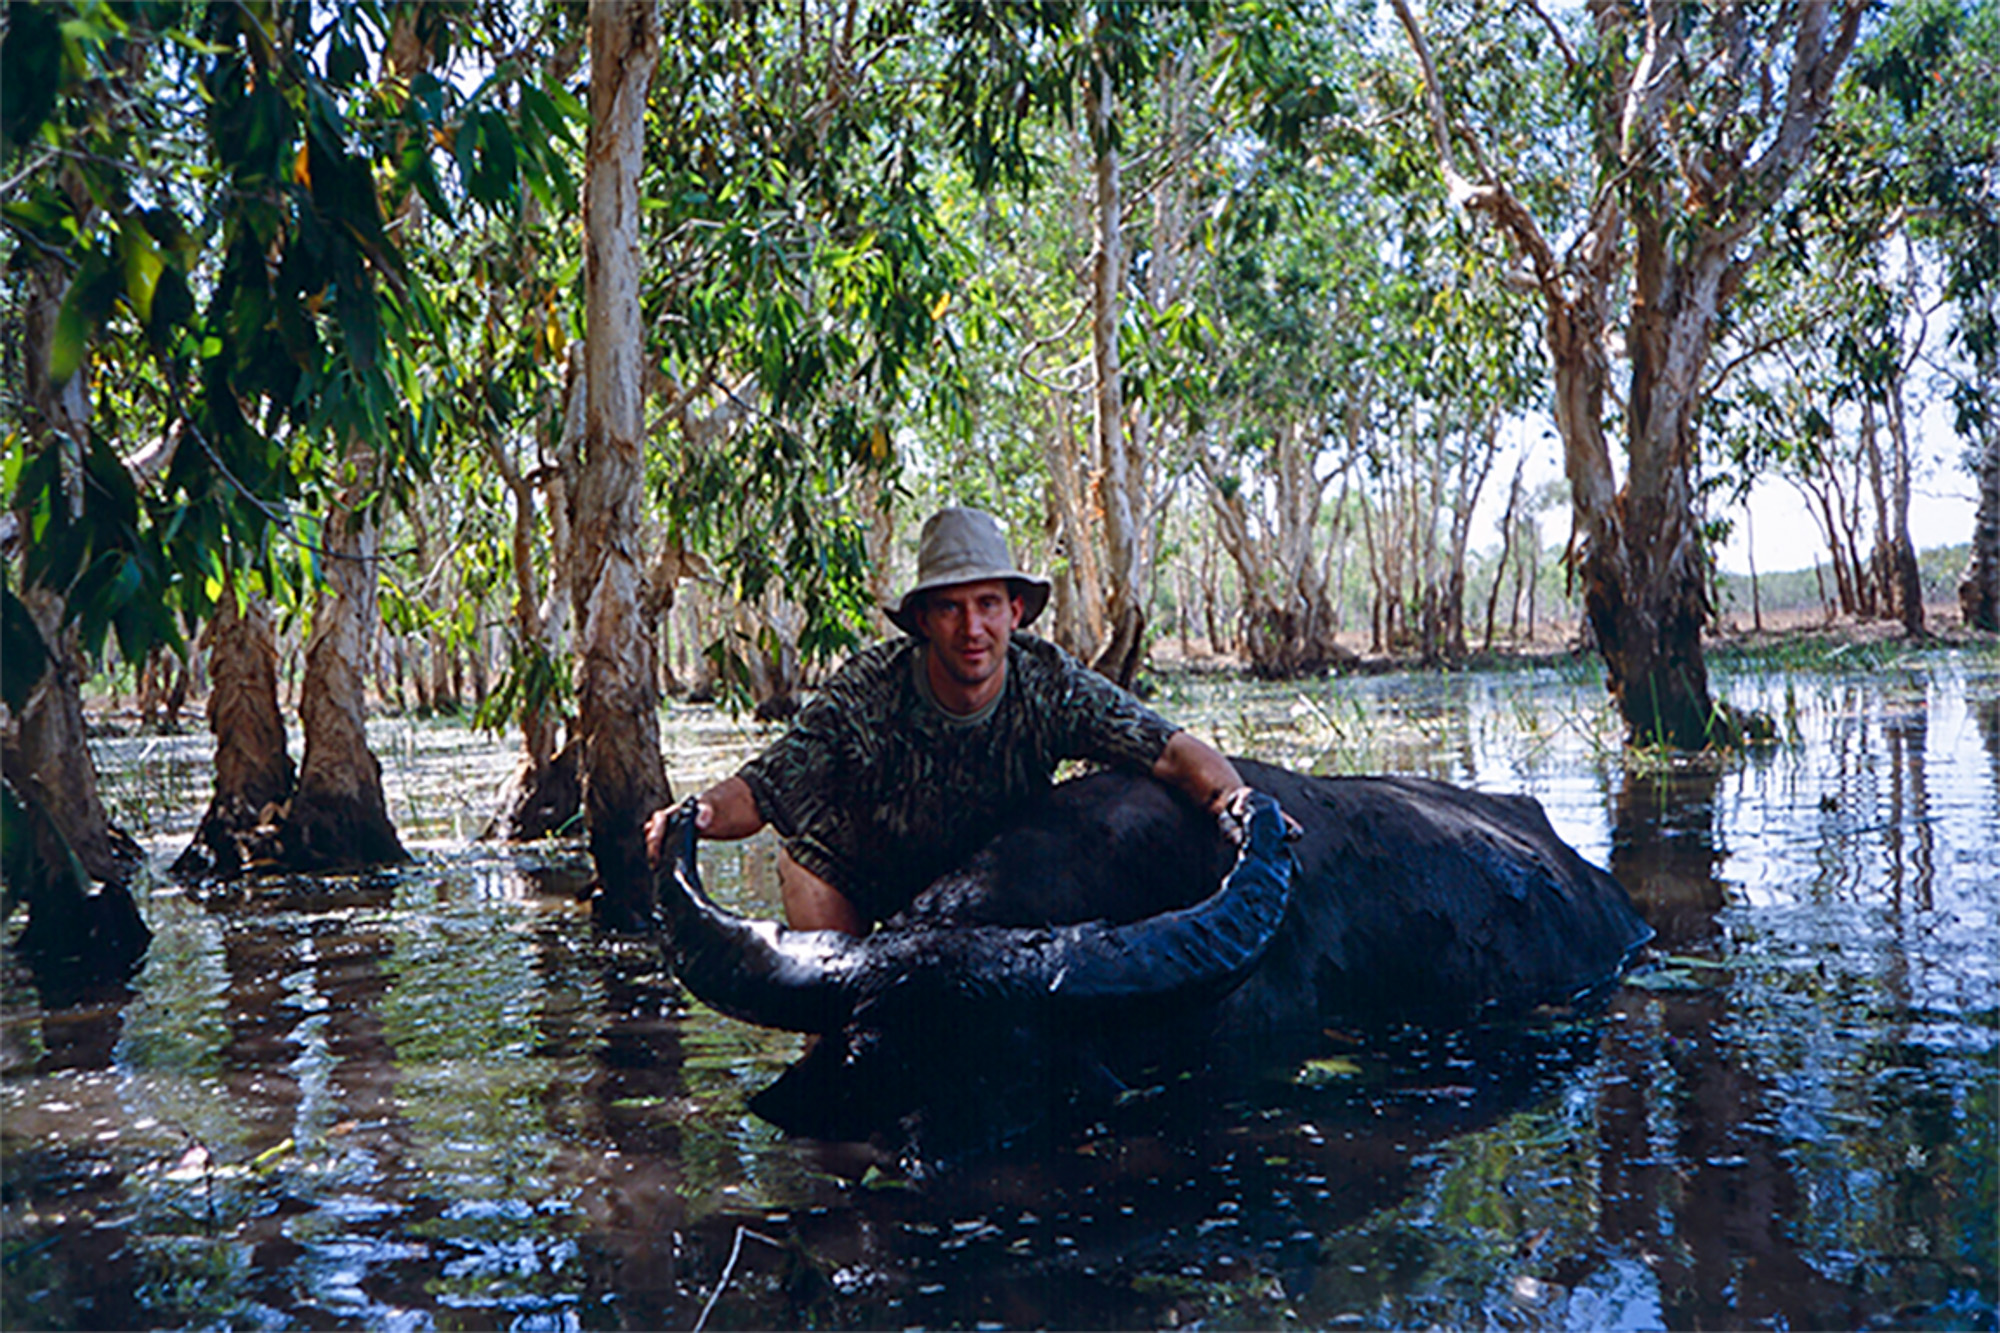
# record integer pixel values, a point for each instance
(784, 775)
(1107, 723)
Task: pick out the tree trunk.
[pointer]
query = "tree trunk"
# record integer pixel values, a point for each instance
(1645, 589)
(75, 878)
(1979, 585)
(1078, 602)
(544, 794)
(1508, 523)
(254, 776)
(1120, 481)
(624, 780)
(1475, 463)
(339, 816)
(1904, 577)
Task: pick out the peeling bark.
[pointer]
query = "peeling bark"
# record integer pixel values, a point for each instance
(624, 780)
(339, 816)
(254, 776)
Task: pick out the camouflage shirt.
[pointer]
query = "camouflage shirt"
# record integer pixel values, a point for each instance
(878, 791)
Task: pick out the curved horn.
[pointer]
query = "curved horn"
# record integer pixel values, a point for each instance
(1199, 951)
(813, 981)
(1208, 948)
(758, 971)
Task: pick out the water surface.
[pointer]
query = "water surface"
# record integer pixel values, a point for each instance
(434, 1098)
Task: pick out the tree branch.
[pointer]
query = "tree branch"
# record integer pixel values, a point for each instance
(1490, 196)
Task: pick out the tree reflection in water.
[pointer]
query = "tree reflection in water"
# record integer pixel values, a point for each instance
(436, 1098)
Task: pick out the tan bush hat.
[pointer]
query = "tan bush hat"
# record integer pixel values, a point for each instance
(966, 546)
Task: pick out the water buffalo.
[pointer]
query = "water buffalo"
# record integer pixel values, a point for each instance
(1112, 933)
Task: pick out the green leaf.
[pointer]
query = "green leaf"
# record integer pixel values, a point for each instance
(173, 305)
(143, 266)
(71, 342)
(31, 65)
(23, 653)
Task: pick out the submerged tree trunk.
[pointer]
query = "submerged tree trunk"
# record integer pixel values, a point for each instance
(1645, 584)
(1120, 480)
(624, 780)
(1979, 585)
(75, 877)
(339, 815)
(1903, 577)
(254, 777)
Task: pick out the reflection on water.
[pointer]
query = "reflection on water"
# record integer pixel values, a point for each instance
(435, 1098)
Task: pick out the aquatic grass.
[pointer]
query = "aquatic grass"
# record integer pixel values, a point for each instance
(1821, 653)
(152, 786)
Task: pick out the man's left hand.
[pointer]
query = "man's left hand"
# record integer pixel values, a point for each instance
(1232, 813)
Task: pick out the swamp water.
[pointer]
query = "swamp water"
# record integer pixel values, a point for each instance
(433, 1098)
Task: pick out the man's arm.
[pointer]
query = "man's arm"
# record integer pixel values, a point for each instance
(728, 811)
(1212, 782)
(1202, 772)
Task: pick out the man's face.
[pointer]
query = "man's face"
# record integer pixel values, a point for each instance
(967, 626)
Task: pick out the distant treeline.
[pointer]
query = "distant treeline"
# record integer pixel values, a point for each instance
(1802, 589)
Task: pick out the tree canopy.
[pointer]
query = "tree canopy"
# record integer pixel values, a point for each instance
(1159, 283)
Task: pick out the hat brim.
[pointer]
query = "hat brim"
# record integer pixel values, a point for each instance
(1032, 589)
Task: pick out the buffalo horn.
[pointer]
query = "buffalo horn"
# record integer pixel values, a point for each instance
(757, 971)
(812, 981)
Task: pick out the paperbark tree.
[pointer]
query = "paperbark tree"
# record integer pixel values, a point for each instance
(1702, 121)
(1288, 614)
(340, 814)
(1120, 467)
(76, 872)
(624, 780)
(254, 775)
(544, 792)
(1925, 121)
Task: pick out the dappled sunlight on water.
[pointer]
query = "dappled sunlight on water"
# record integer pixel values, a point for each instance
(435, 1097)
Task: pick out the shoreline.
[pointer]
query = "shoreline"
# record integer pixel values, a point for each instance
(1809, 632)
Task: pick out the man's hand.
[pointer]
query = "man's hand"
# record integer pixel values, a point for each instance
(662, 820)
(656, 835)
(1232, 813)
(727, 811)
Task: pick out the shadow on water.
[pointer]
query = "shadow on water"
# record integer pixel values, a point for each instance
(434, 1098)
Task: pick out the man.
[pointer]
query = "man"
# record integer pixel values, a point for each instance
(916, 750)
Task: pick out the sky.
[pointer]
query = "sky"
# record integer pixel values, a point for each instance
(1787, 537)
(1943, 496)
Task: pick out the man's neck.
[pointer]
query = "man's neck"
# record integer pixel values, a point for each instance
(957, 699)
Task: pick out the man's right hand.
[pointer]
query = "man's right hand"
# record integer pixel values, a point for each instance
(662, 820)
